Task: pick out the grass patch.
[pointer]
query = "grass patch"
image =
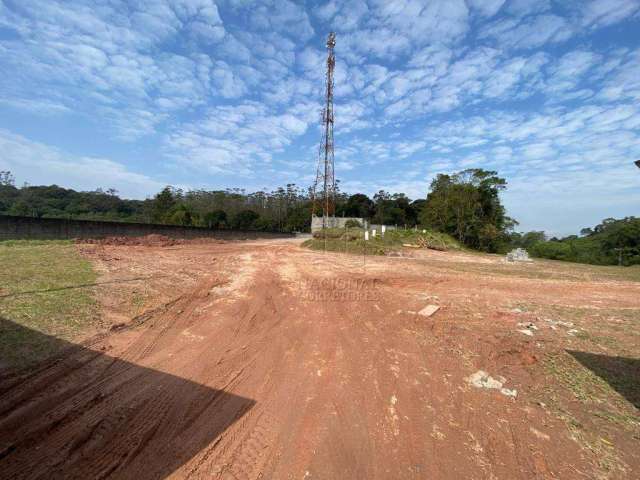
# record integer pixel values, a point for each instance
(44, 298)
(609, 393)
(581, 382)
(543, 269)
(351, 240)
(603, 413)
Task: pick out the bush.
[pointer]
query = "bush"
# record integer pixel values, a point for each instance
(245, 220)
(353, 224)
(352, 240)
(329, 233)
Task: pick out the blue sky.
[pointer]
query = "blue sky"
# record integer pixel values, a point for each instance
(214, 94)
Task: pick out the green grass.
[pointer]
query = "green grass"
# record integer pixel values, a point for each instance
(352, 241)
(543, 269)
(45, 299)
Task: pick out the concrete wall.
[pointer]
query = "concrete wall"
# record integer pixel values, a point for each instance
(378, 228)
(334, 222)
(15, 228)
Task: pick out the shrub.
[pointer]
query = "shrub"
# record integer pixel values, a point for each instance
(353, 224)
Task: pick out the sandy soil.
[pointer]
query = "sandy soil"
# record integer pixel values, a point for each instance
(248, 360)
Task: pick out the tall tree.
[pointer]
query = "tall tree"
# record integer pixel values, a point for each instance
(467, 205)
(359, 205)
(163, 204)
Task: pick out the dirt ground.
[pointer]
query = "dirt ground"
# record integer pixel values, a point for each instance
(246, 360)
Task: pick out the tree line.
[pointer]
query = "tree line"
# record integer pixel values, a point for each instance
(612, 242)
(465, 205)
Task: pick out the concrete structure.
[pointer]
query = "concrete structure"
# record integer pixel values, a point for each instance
(518, 255)
(334, 222)
(16, 228)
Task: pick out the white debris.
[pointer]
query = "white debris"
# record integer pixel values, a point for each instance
(518, 255)
(482, 379)
(572, 332)
(429, 310)
(526, 332)
(516, 310)
(559, 322)
(539, 434)
(529, 325)
(509, 393)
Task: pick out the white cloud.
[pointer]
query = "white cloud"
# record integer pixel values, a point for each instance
(531, 32)
(521, 8)
(486, 8)
(41, 164)
(601, 13)
(37, 106)
(622, 79)
(513, 74)
(236, 139)
(281, 16)
(100, 58)
(561, 164)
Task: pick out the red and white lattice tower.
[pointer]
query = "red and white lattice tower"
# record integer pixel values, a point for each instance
(325, 200)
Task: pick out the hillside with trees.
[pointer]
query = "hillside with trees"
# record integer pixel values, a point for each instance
(283, 209)
(465, 205)
(612, 242)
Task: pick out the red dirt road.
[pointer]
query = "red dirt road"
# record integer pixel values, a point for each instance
(264, 360)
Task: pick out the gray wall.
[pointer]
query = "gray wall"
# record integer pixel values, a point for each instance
(15, 228)
(334, 222)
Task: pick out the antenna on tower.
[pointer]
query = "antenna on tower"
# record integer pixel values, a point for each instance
(325, 178)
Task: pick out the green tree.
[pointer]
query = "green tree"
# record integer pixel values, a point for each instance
(181, 215)
(163, 204)
(245, 220)
(359, 205)
(7, 179)
(467, 206)
(215, 219)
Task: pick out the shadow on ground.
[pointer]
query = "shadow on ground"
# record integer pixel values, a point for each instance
(621, 373)
(85, 414)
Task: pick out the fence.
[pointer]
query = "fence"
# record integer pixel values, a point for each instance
(16, 228)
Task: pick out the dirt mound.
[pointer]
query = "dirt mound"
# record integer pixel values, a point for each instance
(153, 240)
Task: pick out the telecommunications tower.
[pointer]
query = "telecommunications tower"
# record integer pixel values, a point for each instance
(325, 200)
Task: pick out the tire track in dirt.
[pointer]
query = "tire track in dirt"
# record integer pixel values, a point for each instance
(247, 375)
